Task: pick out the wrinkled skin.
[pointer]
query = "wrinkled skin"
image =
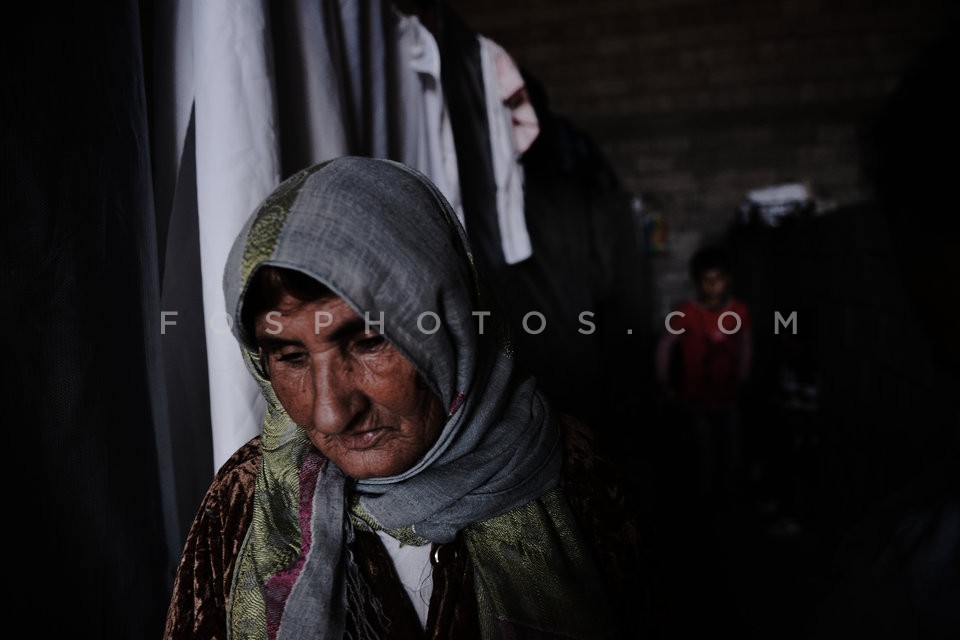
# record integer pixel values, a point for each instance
(360, 401)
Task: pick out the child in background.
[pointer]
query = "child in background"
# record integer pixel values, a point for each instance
(702, 362)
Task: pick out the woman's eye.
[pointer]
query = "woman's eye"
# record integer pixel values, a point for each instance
(292, 357)
(371, 343)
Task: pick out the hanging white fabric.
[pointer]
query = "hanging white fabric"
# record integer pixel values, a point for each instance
(513, 128)
(237, 167)
(428, 135)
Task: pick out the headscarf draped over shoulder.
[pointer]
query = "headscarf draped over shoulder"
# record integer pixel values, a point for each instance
(384, 239)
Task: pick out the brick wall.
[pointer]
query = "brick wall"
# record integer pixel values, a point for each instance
(696, 102)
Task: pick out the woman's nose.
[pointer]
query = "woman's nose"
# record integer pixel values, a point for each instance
(338, 401)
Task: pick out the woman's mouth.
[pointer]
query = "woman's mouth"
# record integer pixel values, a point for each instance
(361, 440)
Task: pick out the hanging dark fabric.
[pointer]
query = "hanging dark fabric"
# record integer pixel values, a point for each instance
(80, 276)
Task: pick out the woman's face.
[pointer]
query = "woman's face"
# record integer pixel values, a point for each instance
(360, 401)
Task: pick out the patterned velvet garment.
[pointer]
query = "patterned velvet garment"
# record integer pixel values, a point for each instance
(598, 496)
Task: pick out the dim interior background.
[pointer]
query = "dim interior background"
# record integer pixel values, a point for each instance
(693, 106)
(696, 104)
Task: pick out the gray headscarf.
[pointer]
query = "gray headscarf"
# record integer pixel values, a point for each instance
(383, 238)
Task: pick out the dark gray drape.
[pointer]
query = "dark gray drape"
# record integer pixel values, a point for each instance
(81, 308)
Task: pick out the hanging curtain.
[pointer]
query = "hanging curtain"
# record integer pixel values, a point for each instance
(88, 463)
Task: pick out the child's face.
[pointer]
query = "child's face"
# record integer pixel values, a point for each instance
(713, 286)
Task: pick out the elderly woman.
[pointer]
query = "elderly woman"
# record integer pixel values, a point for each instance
(410, 481)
